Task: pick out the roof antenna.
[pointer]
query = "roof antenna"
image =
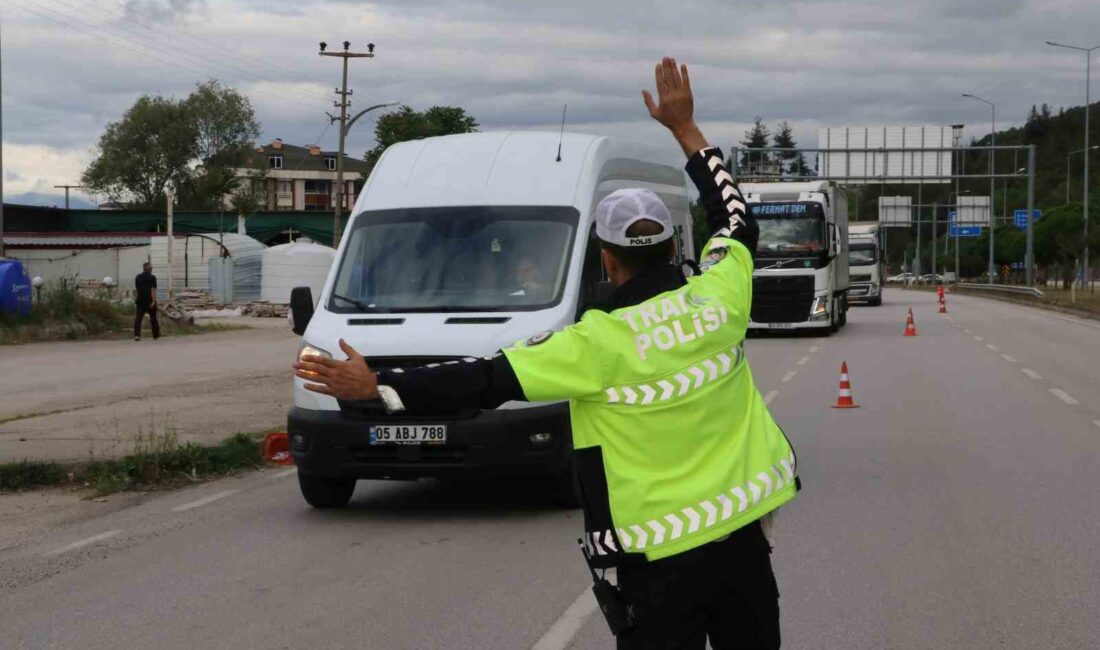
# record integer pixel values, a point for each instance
(562, 136)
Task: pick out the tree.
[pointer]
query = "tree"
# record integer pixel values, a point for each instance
(225, 127)
(196, 145)
(793, 163)
(137, 157)
(755, 137)
(405, 124)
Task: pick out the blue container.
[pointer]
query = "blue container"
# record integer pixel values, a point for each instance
(15, 288)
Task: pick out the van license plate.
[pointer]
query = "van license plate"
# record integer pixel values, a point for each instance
(408, 434)
(781, 326)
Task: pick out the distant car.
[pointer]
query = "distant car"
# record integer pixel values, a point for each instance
(900, 277)
(931, 278)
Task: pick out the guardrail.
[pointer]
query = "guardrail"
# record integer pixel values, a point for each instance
(1000, 288)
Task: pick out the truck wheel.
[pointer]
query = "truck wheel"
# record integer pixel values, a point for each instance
(875, 302)
(844, 314)
(324, 492)
(834, 320)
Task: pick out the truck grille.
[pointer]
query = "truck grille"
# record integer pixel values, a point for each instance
(782, 299)
(861, 277)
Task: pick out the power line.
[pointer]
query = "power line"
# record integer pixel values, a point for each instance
(158, 47)
(70, 23)
(179, 31)
(159, 39)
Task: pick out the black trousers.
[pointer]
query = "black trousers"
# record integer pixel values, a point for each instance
(139, 316)
(724, 591)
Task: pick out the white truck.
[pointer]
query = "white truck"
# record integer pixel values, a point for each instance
(865, 264)
(801, 276)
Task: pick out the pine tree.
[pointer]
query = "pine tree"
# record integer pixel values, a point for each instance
(792, 163)
(756, 137)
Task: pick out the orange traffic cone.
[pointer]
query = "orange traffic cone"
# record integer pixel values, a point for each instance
(943, 300)
(844, 397)
(276, 449)
(910, 326)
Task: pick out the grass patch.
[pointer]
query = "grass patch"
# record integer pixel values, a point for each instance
(157, 462)
(63, 313)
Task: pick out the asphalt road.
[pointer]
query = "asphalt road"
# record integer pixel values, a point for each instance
(956, 508)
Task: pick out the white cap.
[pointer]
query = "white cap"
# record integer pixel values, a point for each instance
(621, 209)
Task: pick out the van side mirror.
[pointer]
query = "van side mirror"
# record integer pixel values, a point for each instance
(301, 308)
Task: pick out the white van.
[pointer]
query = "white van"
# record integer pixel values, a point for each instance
(459, 246)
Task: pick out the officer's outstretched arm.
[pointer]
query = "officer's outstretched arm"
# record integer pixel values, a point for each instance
(727, 214)
(549, 366)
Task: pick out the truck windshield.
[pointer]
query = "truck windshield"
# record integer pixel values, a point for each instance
(862, 254)
(455, 259)
(790, 229)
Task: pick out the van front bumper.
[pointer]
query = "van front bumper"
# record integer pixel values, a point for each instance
(499, 442)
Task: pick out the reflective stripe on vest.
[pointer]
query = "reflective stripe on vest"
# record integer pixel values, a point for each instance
(682, 383)
(706, 513)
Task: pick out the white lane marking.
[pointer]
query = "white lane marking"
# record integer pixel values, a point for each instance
(1031, 373)
(770, 396)
(1009, 358)
(1071, 319)
(1064, 396)
(813, 349)
(992, 347)
(285, 473)
(803, 361)
(205, 500)
(563, 630)
(1096, 422)
(967, 332)
(789, 376)
(978, 338)
(82, 543)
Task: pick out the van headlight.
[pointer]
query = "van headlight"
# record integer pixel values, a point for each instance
(307, 350)
(820, 309)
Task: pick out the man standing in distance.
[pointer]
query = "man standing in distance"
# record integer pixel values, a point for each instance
(677, 455)
(145, 301)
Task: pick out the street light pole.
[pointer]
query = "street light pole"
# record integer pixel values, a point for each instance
(1092, 148)
(343, 104)
(1088, 59)
(992, 153)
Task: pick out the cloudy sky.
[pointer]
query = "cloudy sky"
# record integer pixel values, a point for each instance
(71, 66)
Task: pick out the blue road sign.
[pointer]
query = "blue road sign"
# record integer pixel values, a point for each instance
(955, 230)
(1020, 217)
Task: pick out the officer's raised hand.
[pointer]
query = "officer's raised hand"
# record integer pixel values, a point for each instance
(347, 380)
(675, 104)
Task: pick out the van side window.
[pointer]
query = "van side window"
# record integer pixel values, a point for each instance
(595, 290)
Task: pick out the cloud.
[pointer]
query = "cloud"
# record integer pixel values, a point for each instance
(514, 63)
(31, 168)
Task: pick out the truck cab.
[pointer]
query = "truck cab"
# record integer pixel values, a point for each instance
(801, 276)
(865, 263)
(459, 246)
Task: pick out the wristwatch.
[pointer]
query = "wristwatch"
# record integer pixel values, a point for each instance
(390, 399)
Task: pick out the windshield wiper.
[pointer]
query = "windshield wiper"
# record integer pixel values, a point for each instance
(354, 302)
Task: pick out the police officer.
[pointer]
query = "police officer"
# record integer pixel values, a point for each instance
(678, 457)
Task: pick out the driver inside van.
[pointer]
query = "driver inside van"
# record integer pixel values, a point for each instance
(527, 279)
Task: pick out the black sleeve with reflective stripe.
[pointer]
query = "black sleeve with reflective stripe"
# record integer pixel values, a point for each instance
(448, 387)
(727, 213)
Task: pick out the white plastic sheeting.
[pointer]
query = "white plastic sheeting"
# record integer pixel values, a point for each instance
(299, 264)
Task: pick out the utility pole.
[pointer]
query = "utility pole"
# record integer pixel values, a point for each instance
(343, 104)
(1, 146)
(1088, 60)
(992, 153)
(67, 188)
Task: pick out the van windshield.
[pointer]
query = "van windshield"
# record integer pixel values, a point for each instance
(455, 259)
